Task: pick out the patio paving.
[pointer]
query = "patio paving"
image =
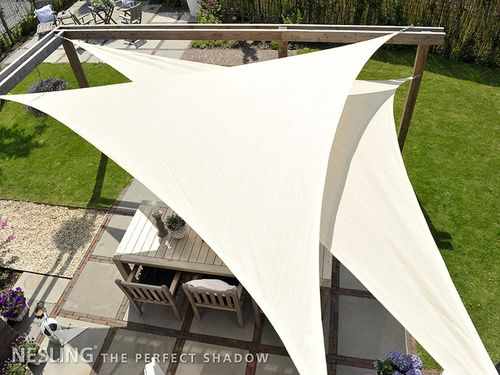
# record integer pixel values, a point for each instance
(367, 330)
(276, 364)
(95, 291)
(208, 360)
(138, 347)
(110, 239)
(151, 14)
(40, 287)
(87, 344)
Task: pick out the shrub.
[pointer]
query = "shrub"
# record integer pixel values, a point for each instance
(46, 85)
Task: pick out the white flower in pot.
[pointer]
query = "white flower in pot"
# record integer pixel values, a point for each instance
(177, 226)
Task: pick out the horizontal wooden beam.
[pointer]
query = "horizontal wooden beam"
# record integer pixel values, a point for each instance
(26, 55)
(26, 63)
(287, 33)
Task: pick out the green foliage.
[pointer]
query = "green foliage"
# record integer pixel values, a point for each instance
(102, 4)
(211, 12)
(207, 44)
(16, 368)
(471, 25)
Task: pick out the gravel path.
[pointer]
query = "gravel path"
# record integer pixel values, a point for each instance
(49, 239)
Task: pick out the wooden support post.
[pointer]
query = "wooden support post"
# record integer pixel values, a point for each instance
(282, 49)
(411, 99)
(75, 63)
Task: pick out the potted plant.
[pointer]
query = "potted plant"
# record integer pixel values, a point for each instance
(397, 363)
(30, 351)
(15, 368)
(100, 5)
(13, 304)
(177, 226)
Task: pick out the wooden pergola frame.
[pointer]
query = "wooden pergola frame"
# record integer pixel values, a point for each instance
(423, 37)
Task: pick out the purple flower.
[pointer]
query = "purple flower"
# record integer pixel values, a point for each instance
(402, 361)
(12, 303)
(414, 372)
(417, 362)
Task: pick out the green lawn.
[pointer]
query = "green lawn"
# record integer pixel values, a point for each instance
(42, 160)
(452, 155)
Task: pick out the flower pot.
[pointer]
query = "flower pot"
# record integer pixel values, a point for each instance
(21, 315)
(194, 7)
(179, 233)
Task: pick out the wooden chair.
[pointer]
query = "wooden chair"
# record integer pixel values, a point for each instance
(139, 292)
(132, 15)
(43, 28)
(202, 297)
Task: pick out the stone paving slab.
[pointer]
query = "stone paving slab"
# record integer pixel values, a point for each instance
(276, 365)
(367, 330)
(156, 315)
(171, 53)
(87, 344)
(225, 324)
(110, 239)
(40, 287)
(95, 291)
(206, 360)
(347, 280)
(136, 346)
(135, 193)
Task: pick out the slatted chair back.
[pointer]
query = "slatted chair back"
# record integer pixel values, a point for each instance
(205, 298)
(139, 293)
(133, 15)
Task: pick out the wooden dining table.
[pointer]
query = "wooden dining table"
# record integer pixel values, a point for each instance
(141, 245)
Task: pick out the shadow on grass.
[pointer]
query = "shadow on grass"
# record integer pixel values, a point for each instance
(444, 66)
(97, 200)
(15, 142)
(443, 239)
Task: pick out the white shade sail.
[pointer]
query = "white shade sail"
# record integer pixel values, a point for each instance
(243, 153)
